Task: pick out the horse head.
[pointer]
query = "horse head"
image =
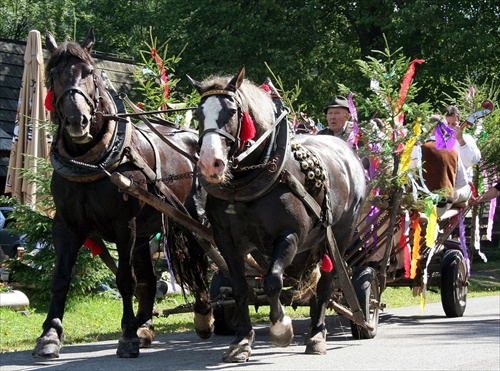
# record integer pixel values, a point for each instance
(228, 120)
(78, 95)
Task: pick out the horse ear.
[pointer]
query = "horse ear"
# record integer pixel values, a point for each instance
(237, 80)
(196, 84)
(50, 42)
(89, 41)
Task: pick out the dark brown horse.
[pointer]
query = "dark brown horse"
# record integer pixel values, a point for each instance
(90, 145)
(275, 200)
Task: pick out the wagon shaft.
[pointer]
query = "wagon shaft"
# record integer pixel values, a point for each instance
(198, 229)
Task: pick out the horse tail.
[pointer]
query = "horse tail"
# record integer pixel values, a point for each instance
(188, 260)
(308, 276)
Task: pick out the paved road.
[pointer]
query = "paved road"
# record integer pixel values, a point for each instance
(407, 339)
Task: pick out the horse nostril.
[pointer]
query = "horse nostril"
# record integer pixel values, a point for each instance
(219, 163)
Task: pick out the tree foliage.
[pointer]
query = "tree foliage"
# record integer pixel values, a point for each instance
(314, 42)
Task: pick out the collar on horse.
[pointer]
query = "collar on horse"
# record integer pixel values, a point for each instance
(264, 175)
(106, 155)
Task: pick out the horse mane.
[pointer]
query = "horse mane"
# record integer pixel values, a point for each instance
(260, 105)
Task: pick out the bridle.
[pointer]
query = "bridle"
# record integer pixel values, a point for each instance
(93, 103)
(234, 140)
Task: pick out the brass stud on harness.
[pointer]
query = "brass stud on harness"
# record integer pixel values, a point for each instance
(230, 209)
(310, 165)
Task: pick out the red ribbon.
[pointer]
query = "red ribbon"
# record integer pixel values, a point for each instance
(247, 128)
(48, 101)
(404, 88)
(407, 81)
(265, 87)
(326, 264)
(94, 248)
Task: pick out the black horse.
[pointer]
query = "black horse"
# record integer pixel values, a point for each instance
(275, 200)
(90, 145)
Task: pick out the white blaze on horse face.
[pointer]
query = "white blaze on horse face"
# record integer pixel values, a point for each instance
(213, 151)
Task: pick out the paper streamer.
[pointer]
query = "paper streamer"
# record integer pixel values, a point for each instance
(353, 135)
(441, 141)
(416, 247)
(463, 243)
(163, 72)
(431, 213)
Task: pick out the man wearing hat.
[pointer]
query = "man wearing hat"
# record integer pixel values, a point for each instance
(337, 117)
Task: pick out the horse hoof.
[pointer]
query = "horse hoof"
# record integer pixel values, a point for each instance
(240, 352)
(316, 344)
(128, 348)
(47, 348)
(281, 333)
(49, 344)
(204, 325)
(146, 334)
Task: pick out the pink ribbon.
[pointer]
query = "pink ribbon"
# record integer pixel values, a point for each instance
(163, 77)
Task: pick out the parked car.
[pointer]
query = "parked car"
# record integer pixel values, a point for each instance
(8, 242)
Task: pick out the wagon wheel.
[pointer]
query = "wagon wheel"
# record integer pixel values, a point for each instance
(453, 283)
(225, 316)
(366, 285)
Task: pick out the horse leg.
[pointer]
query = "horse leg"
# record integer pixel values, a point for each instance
(241, 348)
(203, 313)
(145, 291)
(281, 329)
(128, 345)
(66, 246)
(316, 339)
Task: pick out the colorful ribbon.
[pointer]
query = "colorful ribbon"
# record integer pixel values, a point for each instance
(353, 135)
(403, 92)
(163, 77)
(415, 255)
(463, 243)
(406, 155)
(441, 141)
(405, 86)
(431, 213)
(403, 242)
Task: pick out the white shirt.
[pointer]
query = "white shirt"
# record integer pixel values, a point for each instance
(468, 155)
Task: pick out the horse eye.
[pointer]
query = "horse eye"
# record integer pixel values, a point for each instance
(232, 111)
(87, 70)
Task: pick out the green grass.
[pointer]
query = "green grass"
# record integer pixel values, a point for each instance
(97, 318)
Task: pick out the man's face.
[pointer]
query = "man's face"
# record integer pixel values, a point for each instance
(453, 121)
(336, 118)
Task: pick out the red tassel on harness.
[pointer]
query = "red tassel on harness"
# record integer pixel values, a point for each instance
(326, 264)
(247, 128)
(48, 101)
(265, 87)
(94, 248)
